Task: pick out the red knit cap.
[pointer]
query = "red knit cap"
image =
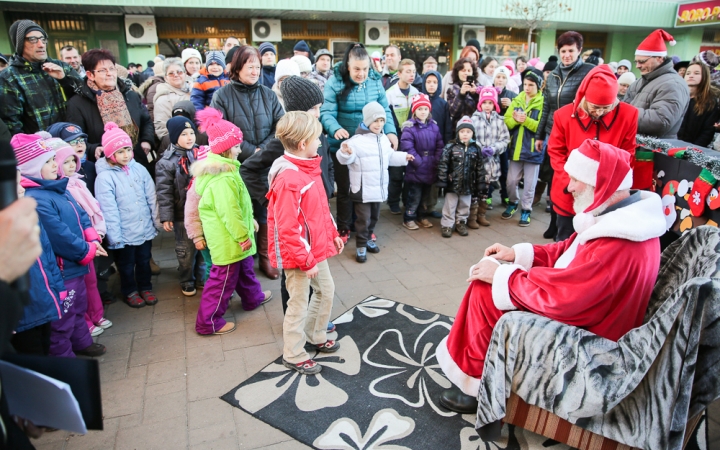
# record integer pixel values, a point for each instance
(599, 87)
(601, 165)
(222, 135)
(654, 44)
(421, 100)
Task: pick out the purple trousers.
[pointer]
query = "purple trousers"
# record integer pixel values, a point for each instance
(218, 290)
(70, 332)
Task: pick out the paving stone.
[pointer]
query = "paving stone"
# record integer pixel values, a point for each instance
(166, 370)
(249, 334)
(253, 433)
(199, 356)
(122, 397)
(165, 406)
(168, 387)
(230, 443)
(118, 346)
(95, 439)
(158, 348)
(204, 413)
(167, 326)
(167, 434)
(214, 379)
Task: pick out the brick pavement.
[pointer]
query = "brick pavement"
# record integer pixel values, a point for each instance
(161, 381)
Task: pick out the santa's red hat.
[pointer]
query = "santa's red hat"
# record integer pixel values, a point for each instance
(654, 44)
(601, 165)
(599, 87)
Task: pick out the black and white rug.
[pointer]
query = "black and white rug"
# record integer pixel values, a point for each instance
(379, 391)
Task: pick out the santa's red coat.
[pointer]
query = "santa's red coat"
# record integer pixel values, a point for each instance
(599, 280)
(617, 128)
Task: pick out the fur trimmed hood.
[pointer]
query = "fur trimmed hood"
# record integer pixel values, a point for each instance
(213, 165)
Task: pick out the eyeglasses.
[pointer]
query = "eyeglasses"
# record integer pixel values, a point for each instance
(106, 71)
(176, 74)
(642, 61)
(77, 141)
(34, 39)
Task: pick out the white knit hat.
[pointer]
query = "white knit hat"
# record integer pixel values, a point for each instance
(502, 70)
(627, 78)
(190, 53)
(303, 63)
(286, 68)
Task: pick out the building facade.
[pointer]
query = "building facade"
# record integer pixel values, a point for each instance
(421, 28)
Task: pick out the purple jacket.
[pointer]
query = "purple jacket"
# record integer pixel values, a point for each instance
(425, 143)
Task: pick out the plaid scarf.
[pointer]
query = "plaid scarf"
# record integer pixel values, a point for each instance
(113, 108)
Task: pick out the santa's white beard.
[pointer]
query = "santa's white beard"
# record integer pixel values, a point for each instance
(583, 199)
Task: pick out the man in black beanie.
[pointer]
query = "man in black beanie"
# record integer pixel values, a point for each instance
(299, 94)
(34, 89)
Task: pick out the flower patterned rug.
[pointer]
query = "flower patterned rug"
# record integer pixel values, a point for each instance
(379, 391)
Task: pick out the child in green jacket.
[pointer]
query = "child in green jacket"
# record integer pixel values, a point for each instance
(227, 221)
(522, 119)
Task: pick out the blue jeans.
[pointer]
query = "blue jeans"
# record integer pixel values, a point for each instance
(133, 264)
(191, 262)
(416, 207)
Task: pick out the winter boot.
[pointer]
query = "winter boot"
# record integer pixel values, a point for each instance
(461, 228)
(482, 210)
(262, 250)
(472, 218)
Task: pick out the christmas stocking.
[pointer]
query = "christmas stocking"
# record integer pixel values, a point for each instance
(700, 190)
(643, 170)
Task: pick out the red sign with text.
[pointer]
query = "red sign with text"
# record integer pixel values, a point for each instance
(698, 13)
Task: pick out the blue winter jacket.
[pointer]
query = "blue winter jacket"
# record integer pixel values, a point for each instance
(205, 87)
(66, 223)
(128, 202)
(440, 109)
(47, 290)
(424, 142)
(346, 112)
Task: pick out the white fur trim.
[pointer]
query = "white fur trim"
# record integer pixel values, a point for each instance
(672, 43)
(626, 182)
(582, 168)
(469, 385)
(500, 287)
(636, 222)
(639, 52)
(524, 255)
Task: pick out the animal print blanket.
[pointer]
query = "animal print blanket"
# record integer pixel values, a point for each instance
(639, 391)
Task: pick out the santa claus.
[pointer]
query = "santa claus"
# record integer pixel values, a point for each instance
(599, 279)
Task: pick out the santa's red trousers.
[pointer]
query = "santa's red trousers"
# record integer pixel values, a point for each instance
(470, 334)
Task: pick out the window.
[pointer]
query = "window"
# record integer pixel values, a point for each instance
(503, 43)
(590, 41)
(79, 44)
(175, 34)
(419, 41)
(316, 34)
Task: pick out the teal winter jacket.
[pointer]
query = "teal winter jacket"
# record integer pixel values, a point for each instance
(346, 112)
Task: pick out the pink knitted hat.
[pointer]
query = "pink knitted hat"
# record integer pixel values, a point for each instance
(488, 93)
(202, 152)
(222, 135)
(114, 139)
(32, 153)
(62, 151)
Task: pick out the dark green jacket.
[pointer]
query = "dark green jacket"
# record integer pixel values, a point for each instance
(30, 99)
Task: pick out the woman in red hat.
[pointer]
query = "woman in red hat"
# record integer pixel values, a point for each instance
(596, 114)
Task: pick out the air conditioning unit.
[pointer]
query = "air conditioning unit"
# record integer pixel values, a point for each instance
(468, 32)
(141, 30)
(377, 32)
(266, 30)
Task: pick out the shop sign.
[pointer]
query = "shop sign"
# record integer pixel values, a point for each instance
(698, 13)
(713, 48)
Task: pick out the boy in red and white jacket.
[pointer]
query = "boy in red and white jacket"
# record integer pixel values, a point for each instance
(302, 236)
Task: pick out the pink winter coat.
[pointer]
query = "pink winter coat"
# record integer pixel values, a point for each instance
(193, 225)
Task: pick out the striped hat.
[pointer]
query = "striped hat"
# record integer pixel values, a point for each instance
(32, 153)
(222, 135)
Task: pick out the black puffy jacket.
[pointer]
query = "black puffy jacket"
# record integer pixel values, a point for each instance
(254, 109)
(461, 169)
(172, 178)
(559, 92)
(254, 171)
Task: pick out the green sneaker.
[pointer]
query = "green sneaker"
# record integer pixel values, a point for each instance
(524, 218)
(509, 211)
(489, 203)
